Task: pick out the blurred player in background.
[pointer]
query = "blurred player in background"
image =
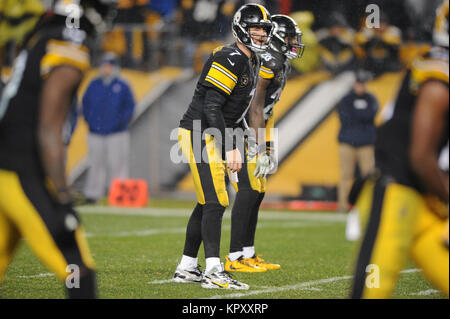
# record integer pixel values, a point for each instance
(221, 100)
(35, 200)
(336, 45)
(286, 45)
(404, 207)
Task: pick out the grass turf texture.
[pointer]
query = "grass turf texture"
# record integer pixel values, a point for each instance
(136, 252)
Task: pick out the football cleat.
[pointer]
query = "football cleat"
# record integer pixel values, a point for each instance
(259, 262)
(217, 278)
(241, 265)
(193, 275)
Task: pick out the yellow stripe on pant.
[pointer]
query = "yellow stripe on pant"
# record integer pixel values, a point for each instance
(429, 250)
(247, 179)
(185, 143)
(392, 216)
(19, 218)
(208, 173)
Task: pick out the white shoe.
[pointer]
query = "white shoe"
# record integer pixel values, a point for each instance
(217, 278)
(193, 275)
(353, 227)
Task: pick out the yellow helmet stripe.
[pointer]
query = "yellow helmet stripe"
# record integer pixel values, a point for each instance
(263, 10)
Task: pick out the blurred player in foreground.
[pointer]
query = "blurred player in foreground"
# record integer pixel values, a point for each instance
(219, 105)
(35, 200)
(404, 207)
(286, 45)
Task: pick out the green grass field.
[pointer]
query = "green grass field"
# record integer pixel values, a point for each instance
(136, 252)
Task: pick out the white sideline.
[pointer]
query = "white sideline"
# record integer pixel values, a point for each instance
(304, 285)
(47, 274)
(182, 230)
(183, 212)
(425, 292)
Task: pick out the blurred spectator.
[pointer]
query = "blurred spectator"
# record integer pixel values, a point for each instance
(356, 138)
(379, 47)
(130, 13)
(165, 8)
(199, 25)
(108, 106)
(310, 60)
(336, 44)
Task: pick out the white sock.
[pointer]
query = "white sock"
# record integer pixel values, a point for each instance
(211, 262)
(249, 252)
(188, 262)
(235, 256)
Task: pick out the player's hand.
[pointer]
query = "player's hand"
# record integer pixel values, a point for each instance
(234, 160)
(264, 164)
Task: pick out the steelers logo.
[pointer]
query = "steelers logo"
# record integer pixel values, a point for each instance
(237, 17)
(244, 80)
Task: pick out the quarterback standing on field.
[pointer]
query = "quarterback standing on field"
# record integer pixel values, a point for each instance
(404, 206)
(286, 45)
(220, 103)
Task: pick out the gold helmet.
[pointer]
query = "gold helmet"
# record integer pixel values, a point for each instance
(440, 33)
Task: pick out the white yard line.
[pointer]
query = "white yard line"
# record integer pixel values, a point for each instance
(182, 230)
(47, 274)
(425, 292)
(169, 281)
(300, 286)
(183, 212)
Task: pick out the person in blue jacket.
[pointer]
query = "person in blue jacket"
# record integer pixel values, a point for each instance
(357, 111)
(108, 107)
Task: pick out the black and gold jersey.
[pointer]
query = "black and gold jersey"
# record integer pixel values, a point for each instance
(231, 73)
(52, 46)
(276, 68)
(393, 137)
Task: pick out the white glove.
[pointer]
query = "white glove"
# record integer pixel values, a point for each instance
(264, 164)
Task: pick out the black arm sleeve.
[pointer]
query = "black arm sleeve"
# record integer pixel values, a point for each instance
(212, 109)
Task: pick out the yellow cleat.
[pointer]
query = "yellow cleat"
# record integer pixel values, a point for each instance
(240, 265)
(261, 263)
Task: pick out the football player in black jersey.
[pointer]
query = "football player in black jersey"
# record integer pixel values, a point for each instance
(221, 100)
(404, 206)
(286, 45)
(35, 201)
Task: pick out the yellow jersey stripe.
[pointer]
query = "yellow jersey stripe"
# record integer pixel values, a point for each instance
(225, 70)
(428, 70)
(266, 74)
(64, 53)
(221, 78)
(218, 84)
(226, 73)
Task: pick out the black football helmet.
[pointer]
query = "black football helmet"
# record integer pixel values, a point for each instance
(286, 27)
(248, 16)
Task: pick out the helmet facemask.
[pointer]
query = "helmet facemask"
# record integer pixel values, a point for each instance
(287, 42)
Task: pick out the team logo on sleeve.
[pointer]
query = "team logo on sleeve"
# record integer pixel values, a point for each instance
(244, 80)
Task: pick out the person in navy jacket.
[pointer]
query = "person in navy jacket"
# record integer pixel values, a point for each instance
(108, 106)
(357, 111)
